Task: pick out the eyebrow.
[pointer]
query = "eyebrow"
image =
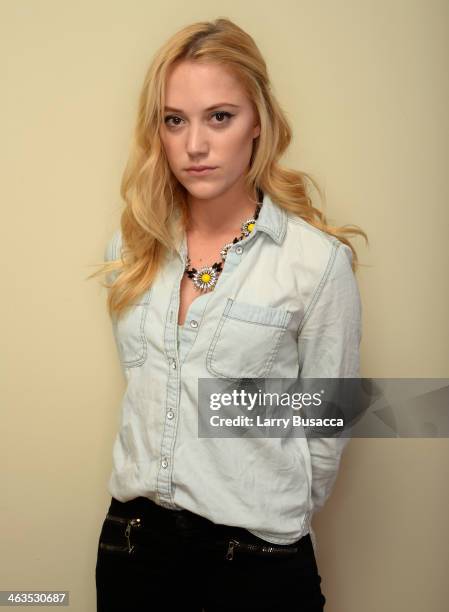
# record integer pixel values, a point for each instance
(177, 110)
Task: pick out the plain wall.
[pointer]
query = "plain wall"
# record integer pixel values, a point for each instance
(365, 87)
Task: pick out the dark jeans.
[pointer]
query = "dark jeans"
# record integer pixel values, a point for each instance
(177, 560)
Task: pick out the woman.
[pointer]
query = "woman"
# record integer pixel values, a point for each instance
(222, 269)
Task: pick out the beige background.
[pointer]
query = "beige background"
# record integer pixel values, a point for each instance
(365, 86)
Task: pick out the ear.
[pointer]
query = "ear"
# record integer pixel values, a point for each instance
(256, 131)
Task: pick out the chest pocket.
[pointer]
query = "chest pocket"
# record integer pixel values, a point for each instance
(247, 340)
(130, 332)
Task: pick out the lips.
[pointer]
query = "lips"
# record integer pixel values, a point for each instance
(200, 170)
(200, 167)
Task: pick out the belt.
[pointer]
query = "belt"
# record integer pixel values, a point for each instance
(231, 545)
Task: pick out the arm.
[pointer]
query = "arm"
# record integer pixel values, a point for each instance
(111, 253)
(328, 347)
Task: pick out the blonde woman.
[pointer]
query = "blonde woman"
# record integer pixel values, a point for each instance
(223, 269)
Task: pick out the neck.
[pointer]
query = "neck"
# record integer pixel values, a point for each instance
(223, 214)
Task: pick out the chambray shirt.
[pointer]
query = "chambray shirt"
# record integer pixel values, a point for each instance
(286, 305)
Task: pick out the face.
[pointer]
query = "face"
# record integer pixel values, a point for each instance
(208, 121)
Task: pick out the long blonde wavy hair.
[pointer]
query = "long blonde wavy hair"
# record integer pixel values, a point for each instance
(152, 194)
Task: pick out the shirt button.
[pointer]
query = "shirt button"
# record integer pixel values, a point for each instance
(239, 250)
(193, 323)
(173, 363)
(170, 415)
(164, 462)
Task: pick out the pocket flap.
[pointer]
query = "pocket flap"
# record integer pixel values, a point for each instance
(253, 313)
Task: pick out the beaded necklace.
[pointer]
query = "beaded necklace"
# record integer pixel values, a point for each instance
(206, 277)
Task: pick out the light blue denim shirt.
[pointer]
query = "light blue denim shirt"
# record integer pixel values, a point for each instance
(286, 305)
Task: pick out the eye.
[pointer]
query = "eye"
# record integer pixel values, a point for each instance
(224, 114)
(168, 117)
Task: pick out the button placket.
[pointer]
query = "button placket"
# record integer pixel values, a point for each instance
(164, 485)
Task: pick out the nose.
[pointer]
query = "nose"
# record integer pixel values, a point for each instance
(197, 141)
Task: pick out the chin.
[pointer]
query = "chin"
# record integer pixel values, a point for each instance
(204, 192)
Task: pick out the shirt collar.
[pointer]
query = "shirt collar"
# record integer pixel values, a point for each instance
(272, 219)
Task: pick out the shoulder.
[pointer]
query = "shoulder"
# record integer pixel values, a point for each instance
(113, 246)
(315, 249)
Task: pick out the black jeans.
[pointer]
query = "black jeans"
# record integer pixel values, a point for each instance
(152, 558)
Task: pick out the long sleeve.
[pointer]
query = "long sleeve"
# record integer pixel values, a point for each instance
(328, 347)
(111, 253)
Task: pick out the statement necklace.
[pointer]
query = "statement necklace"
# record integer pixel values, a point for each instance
(205, 278)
